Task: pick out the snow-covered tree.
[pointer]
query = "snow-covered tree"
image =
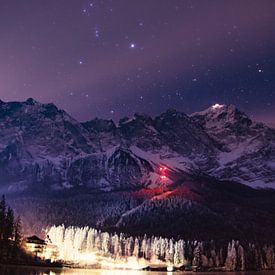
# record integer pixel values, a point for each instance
(136, 248)
(169, 257)
(231, 259)
(105, 246)
(197, 254)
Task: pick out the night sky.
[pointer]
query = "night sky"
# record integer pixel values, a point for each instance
(113, 58)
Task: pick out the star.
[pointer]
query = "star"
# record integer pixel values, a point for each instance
(260, 70)
(96, 32)
(80, 62)
(132, 45)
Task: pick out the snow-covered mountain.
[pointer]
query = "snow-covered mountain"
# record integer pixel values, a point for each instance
(247, 154)
(43, 148)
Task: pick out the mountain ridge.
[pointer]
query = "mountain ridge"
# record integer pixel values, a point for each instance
(44, 147)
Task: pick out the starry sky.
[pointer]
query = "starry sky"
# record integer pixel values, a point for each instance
(112, 58)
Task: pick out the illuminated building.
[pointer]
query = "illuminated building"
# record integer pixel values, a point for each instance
(35, 246)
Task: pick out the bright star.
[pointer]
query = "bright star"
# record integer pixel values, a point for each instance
(132, 45)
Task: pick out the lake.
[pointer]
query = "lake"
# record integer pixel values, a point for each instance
(11, 270)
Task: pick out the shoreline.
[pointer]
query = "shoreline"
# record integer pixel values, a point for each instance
(59, 269)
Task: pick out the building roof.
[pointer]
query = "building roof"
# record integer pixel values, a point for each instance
(35, 239)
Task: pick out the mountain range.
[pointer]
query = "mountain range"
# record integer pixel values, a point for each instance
(210, 174)
(42, 147)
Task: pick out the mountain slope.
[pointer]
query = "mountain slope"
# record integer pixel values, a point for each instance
(201, 209)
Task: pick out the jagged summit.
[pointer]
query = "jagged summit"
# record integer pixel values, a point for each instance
(99, 125)
(222, 112)
(220, 120)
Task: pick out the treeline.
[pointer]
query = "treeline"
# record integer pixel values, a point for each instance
(10, 236)
(73, 241)
(94, 210)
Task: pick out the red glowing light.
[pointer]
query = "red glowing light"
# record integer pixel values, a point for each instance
(162, 170)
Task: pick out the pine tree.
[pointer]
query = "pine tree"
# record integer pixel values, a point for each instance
(9, 225)
(17, 232)
(2, 217)
(169, 258)
(116, 244)
(148, 249)
(231, 259)
(177, 260)
(106, 243)
(143, 246)
(129, 246)
(241, 258)
(136, 248)
(197, 255)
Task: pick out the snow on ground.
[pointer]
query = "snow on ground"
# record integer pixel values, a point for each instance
(172, 161)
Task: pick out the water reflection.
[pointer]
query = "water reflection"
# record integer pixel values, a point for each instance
(11, 270)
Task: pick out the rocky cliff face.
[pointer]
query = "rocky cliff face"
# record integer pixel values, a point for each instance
(43, 148)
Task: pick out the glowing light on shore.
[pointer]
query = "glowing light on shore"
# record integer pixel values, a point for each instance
(75, 246)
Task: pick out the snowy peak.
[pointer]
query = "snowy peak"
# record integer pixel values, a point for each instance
(227, 125)
(222, 121)
(248, 148)
(222, 115)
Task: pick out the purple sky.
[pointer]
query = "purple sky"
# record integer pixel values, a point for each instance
(114, 58)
